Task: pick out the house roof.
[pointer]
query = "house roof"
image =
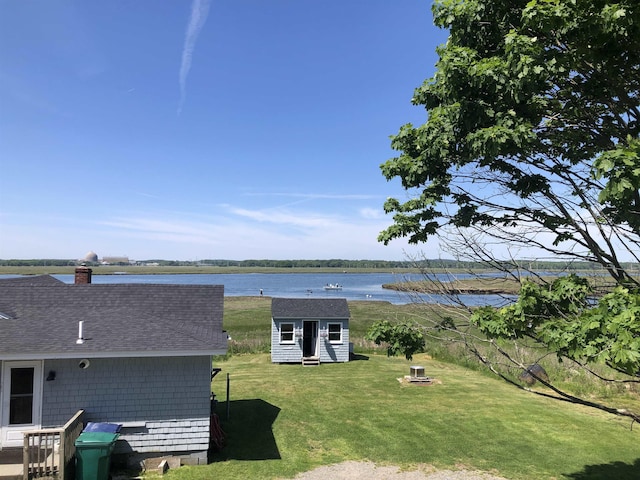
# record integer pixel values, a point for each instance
(31, 280)
(40, 319)
(309, 308)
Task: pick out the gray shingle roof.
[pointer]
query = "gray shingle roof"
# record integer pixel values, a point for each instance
(309, 308)
(31, 280)
(118, 319)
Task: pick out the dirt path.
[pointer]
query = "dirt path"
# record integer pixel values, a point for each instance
(369, 471)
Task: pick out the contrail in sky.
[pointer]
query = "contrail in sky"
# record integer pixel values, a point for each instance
(199, 12)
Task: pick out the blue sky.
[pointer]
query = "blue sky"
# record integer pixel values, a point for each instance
(201, 129)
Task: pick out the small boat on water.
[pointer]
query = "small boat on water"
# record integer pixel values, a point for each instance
(333, 286)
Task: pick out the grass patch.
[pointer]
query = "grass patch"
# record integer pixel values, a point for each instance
(286, 419)
(248, 322)
(476, 286)
(487, 285)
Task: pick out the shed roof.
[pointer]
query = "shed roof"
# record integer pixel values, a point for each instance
(40, 319)
(309, 308)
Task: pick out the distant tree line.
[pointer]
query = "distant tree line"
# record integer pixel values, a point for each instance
(425, 264)
(55, 262)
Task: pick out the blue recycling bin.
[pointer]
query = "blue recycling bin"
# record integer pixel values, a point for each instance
(102, 427)
(93, 455)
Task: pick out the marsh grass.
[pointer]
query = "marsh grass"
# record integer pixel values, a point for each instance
(286, 419)
(248, 322)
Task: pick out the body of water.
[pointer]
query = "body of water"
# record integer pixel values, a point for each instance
(355, 286)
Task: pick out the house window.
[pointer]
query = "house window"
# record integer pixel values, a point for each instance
(21, 396)
(286, 333)
(335, 332)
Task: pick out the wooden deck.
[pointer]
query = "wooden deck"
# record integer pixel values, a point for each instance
(12, 463)
(46, 453)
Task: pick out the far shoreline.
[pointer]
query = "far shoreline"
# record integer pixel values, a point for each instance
(177, 270)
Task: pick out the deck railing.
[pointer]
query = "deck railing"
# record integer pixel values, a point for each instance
(50, 452)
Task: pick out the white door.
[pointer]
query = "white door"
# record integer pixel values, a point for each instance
(21, 401)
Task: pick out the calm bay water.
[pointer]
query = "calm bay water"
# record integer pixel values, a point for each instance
(355, 286)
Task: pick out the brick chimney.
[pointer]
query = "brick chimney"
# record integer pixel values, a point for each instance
(83, 275)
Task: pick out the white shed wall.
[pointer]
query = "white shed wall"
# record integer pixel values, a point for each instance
(292, 353)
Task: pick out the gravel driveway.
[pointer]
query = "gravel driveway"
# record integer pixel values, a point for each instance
(369, 471)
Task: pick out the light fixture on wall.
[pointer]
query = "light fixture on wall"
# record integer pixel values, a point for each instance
(51, 376)
(298, 332)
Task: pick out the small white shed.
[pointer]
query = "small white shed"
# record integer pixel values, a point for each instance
(309, 330)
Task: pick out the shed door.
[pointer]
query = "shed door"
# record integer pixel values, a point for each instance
(21, 401)
(310, 339)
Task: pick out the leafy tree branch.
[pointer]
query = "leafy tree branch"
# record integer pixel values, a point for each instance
(532, 141)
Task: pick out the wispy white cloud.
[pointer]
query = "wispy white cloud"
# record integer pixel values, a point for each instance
(30, 98)
(312, 196)
(199, 13)
(227, 232)
(372, 213)
(307, 197)
(242, 233)
(147, 195)
(280, 217)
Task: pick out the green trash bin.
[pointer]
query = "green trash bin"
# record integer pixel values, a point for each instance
(93, 455)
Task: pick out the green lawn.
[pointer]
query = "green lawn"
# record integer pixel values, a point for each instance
(285, 419)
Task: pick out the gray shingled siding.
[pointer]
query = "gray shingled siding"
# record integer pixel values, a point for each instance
(162, 402)
(329, 352)
(335, 352)
(285, 353)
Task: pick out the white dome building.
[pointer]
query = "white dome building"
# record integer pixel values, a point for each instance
(91, 257)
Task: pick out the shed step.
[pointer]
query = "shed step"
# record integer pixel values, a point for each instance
(310, 361)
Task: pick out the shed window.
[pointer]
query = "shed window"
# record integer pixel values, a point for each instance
(335, 332)
(286, 333)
